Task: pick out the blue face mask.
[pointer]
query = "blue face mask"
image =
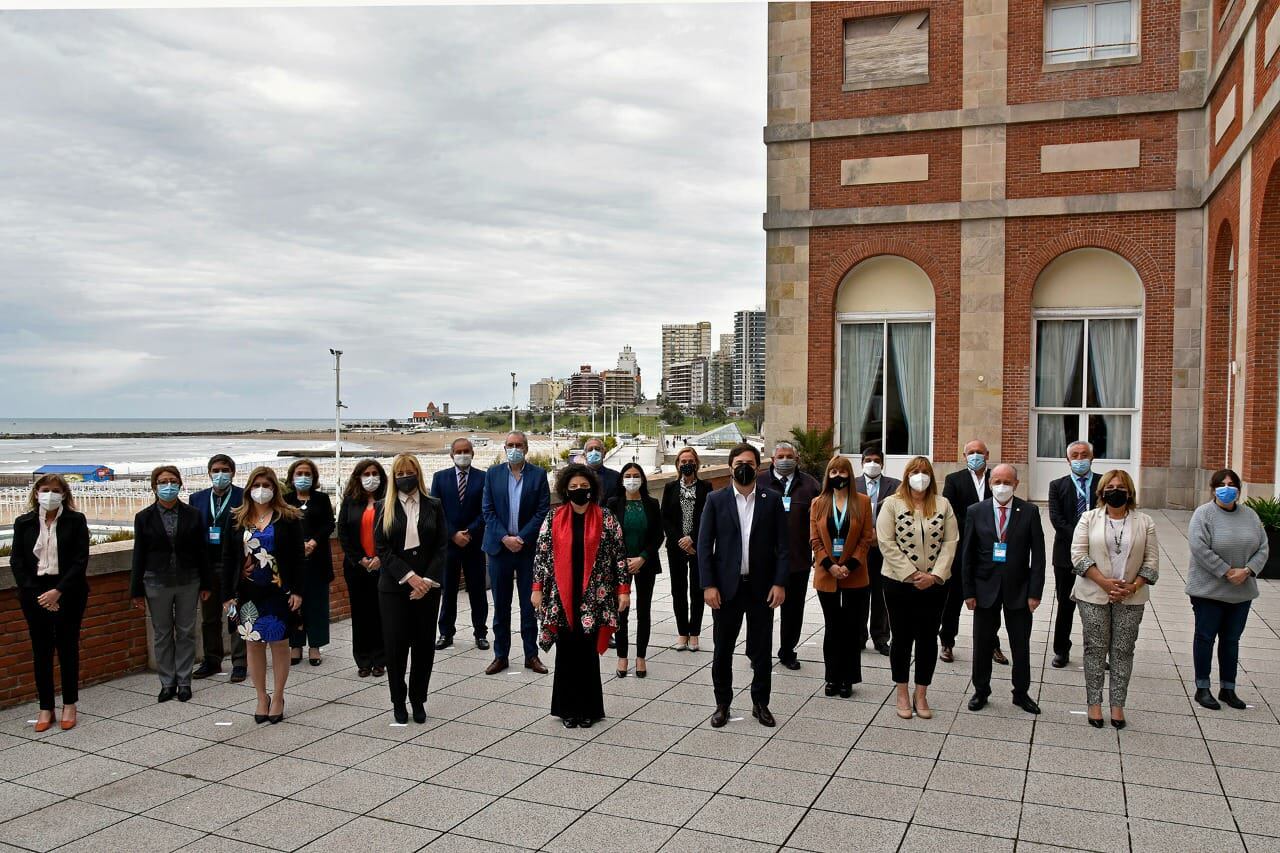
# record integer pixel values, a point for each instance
(975, 461)
(220, 480)
(1080, 467)
(302, 484)
(1226, 494)
(168, 491)
(515, 455)
(594, 457)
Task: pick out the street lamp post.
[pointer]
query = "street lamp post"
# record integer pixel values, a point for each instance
(337, 414)
(513, 402)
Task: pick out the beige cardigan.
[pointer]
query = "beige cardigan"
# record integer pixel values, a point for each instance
(1089, 548)
(909, 542)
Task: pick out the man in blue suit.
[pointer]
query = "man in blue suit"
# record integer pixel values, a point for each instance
(743, 563)
(215, 505)
(461, 490)
(593, 454)
(516, 501)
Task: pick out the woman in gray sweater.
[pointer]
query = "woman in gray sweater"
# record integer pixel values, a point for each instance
(1228, 550)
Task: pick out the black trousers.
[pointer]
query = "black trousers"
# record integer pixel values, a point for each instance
(313, 631)
(213, 627)
(576, 692)
(951, 612)
(880, 631)
(366, 618)
(986, 627)
(727, 624)
(844, 612)
(792, 614)
(642, 605)
(1063, 581)
(54, 631)
(465, 563)
(409, 629)
(914, 615)
(686, 592)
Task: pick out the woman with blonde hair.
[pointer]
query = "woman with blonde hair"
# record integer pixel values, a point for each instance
(412, 546)
(262, 564)
(841, 532)
(1115, 557)
(918, 537)
(49, 558)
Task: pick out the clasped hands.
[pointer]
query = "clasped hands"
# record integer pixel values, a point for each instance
(1237, 576)
(777, 595)
(421, 586)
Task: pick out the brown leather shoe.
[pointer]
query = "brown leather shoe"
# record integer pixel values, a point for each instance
(720, 717)
(947, 655)
(536, 665)
(998, 657)
(498, 665)
(761, 713)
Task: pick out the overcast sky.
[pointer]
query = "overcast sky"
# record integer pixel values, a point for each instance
(196, 205)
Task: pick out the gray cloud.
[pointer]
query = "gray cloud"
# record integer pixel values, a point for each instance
(195, 205)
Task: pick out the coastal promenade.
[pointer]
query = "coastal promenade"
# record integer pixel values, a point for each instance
(491, 770)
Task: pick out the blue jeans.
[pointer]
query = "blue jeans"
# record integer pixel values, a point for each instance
(510, 573)
(1225, 623)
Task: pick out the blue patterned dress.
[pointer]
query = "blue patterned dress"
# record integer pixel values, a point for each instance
(263, 611)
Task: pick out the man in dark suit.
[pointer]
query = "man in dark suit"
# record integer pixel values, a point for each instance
(743, 566)
(1003, 570)
(876, 486)
(962, 490)
(593, 454)
(1069, 497)
(216, 505)
(516, 500)
(460, 489)
(798, 490)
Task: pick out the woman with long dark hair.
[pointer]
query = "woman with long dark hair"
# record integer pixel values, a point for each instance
(304, 493)
(682, 503)
(641, 520)
(360, 565)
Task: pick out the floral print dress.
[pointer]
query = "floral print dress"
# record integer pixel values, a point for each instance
(263, 609)
(600, 600)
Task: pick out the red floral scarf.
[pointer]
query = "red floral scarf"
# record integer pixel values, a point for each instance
(562, 545)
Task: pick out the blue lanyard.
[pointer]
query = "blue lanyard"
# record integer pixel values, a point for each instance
(838, 515)
(214, 510)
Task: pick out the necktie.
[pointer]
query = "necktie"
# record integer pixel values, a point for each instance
(462, 485)
(1004, 521)
(873, 492)
(1082, 500)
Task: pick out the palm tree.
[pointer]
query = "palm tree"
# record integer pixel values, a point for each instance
(814, 447)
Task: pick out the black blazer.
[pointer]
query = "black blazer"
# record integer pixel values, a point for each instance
(610, 484)
(317, 524)
(673, 521)
(348, 522)
(654, 533)
(290, 557)
(1063, 515)
(720, 544)
(958, 489)
(152, 547)
(1021, 576)
(433, 537)
(804, 488)
(888, 486)
(73, 551)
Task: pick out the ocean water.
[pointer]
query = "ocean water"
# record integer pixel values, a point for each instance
(140, 455)
(64, 426)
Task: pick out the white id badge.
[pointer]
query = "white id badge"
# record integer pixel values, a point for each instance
(999, 552)
(215, 535)
(786, 503)
(837, 548)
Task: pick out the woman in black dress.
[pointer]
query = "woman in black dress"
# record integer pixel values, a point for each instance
(682, 503)
(360, 564)
(580, 583)
(317, 527)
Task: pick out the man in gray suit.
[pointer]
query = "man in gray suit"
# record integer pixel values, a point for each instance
(875, 485)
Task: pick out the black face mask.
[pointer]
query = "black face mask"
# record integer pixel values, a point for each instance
(580, 497)
(688, 468)
(1115, 498)
(838, 483)
(745, 473)
(407, 483)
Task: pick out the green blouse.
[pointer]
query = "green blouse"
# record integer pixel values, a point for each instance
(635, 523)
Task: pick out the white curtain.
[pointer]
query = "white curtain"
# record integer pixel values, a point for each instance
(861, 347)
(910, 342)
(1112, 25)
(1057, 357)
(1113, 355)
(1068, 33)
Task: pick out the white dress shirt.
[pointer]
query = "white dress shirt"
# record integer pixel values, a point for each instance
(746, 512)
(980, 484)
(47, 545)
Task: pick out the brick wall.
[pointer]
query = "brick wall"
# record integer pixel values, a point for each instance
(1158, 159)
(942, 92)
(942, 146)
(1265, 73)
(1221, 26)
(1159, 39)
(1264, 310)
(1219, 332)
(1146, 240)
(1230, 85)
(935, 248)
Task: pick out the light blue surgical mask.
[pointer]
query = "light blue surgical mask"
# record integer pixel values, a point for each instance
(1226, 494)
(168, 491)
(1080, 467)
(975, 461)
(221, 479)
(515, 455)
(594, 457)
(302, 484)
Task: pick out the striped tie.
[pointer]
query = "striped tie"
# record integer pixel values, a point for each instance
(462, 485)
(1082, 500)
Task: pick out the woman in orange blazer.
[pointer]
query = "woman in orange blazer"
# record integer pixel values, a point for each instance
(841, 530)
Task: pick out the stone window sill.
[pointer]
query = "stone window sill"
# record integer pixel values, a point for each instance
(1110, 62)
(864, 85)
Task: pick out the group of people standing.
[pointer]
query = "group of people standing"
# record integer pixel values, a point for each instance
(893, 562)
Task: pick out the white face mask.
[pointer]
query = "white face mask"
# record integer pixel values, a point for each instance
(631, 484)
(919, 481)
(462, 460)
(261, 494)
(370, 482)
(872, 469)
(1003, 492)
(49, 501)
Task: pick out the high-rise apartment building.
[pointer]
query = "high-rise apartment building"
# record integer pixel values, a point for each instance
(683, 342)
(585, 389)
(748, 358)
(544, 393)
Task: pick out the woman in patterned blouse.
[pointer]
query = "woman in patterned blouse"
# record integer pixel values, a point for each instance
(682, 503)
(918, 536)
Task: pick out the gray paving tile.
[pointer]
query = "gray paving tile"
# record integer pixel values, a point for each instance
(771, 784)
(1186, 807)
(1051, 825)
(608, 759)
(19, 799)
(921, 744)
(450, 843)
(1164, 746)
(282, 739)
(754, 820)
(929, 839)
(513, 822)
(686, 771)
(155, 749)
(980, 815)
(992, 753)
(468, 738)
(1260, 844)
(1162, 773)
(215, 762)
(212, 807)
(958, 778)
(655, 802)
(371, 833)
(353, 790)
(602, 833)
(142, 791)
(1074, 792)
(1149, 836)
(433, 806)
(711, 743)
(335, 716)
(411, 762)
(101, 734)
(830, 831)
(58, 824)
(501, 715)
(569, 788)
(486, 775)
(639, 733)
(32, 757)
(140, 834)
(282, 775)
(885, 767)
(531, 748)
(285, 825)
(77, 775)
(1088, 763)
(692, 841)
(870, 799)
(794, 755)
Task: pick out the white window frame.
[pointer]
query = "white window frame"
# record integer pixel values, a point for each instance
(885, 319)
(1135, 10)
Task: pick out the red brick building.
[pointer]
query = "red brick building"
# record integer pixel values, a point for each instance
(1029, 221)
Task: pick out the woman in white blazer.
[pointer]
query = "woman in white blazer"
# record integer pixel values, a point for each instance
(1115, 556)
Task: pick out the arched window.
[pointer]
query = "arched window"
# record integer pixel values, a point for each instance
(1088, 311)
(884, 349)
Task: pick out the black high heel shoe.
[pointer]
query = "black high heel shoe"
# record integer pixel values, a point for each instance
(1097, 724)
(1117, 724)
(276, 718)
(262, 718)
